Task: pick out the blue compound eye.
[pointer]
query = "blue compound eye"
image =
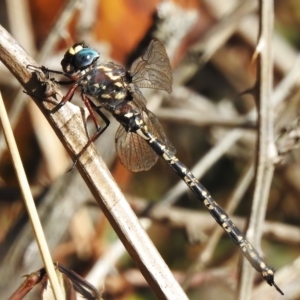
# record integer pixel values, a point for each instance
(85, 57)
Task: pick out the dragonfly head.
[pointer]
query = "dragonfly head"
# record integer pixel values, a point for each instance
(78, 57)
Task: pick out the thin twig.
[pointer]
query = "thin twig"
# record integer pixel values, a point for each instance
(191, 117)
(29, 202)
(266, 149)
(217, 36)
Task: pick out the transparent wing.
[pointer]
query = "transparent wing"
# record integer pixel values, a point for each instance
(133, 151)
(153, 70)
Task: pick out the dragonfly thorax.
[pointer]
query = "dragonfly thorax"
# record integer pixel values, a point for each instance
(107, 83)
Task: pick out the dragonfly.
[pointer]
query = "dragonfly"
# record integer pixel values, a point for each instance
(140, 139)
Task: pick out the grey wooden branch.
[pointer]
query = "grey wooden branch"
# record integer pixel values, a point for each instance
(266, 149)
(67, 122)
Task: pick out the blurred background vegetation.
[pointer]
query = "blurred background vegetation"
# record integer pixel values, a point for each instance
(211, 46)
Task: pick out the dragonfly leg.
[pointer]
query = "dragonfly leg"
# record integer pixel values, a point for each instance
(92, 108)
